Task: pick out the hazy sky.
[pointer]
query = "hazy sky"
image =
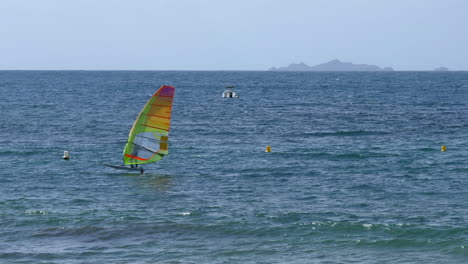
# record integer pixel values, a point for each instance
(231, 34)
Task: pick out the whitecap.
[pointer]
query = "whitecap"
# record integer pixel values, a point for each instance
(184, 213)
(34, 212)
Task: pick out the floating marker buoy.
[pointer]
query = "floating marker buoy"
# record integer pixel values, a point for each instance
(443, 148)
(66, 155)
(268, 149)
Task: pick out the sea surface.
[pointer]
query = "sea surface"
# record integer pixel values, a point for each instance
(356, 173)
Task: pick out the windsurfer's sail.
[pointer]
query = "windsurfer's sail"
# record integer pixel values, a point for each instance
(148, 138)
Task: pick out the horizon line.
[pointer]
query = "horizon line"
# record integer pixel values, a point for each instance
(220, 70)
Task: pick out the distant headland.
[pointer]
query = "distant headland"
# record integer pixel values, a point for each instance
(333, 65)
(441, 69)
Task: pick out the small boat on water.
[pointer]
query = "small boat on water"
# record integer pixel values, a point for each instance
(229, 93)
(148, 139)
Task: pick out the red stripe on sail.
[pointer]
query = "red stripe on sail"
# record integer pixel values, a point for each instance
(135, 157)
(158, 116)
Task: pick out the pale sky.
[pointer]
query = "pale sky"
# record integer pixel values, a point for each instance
(231, 34)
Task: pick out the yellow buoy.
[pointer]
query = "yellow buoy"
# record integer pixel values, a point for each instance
(268, 149)
(66, 155)
(443, 148)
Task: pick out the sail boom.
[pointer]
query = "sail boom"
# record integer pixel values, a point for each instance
(148, 149)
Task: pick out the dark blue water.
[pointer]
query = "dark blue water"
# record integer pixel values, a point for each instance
(355, 175)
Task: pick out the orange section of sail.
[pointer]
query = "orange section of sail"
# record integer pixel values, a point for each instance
(158, 115)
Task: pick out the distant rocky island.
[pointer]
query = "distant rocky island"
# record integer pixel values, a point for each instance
(441, 69)
(333, 65)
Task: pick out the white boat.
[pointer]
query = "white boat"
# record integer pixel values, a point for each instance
(229, 93)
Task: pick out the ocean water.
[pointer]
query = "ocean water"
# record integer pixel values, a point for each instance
(355, 175)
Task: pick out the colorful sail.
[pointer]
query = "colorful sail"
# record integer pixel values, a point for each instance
(148, 138)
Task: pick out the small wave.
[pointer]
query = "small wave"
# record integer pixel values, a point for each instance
(43, 106)
(393, 242)
(461, 250)
(307, 153)
(22, 152)
(355, 155)
(63, 231)
(344, 133)
(81, 201)
(460, 169)
(36, 212)
(427, 149)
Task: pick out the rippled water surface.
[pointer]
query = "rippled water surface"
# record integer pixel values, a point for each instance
(355, 175)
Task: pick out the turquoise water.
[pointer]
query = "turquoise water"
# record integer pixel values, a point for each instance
(355, 175)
